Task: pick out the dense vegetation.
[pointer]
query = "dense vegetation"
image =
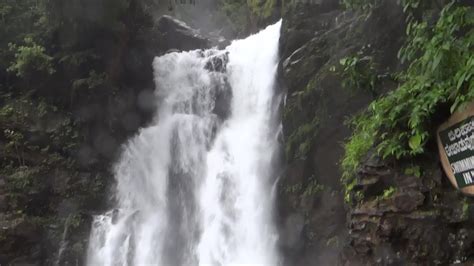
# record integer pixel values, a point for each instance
(52, 54)
(56, 57)
(72, 74)
(50, 40)
(439, 75)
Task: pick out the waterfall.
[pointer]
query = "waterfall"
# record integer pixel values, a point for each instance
(63, 244)
(195, 186)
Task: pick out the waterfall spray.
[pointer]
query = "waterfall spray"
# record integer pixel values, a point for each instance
(195, 186)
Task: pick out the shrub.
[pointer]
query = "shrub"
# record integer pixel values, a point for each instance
(30, 58)
(360, 4)
(440, 72)
(359, 73)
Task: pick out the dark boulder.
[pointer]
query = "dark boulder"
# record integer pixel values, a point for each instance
(218, 63)
(223, 98)
(175, 34)
(412, 225)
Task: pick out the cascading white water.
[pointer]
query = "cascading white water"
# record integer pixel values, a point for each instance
(195, 187)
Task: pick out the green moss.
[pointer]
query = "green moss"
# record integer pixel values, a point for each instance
(262, 8)
(237, 12)
(389, 192)
(20, 180)
(360, 4)
(355, 149)
(300, 141)
(414, 170)
(312, 188)
(24, 114)
(293, 189)
(348, 190)
(358, 73)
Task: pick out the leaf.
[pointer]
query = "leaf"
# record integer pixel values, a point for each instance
(436, 61)
(461, 80)
(415, 142)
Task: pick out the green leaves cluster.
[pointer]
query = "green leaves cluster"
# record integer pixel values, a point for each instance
(71, 38)
(300, 142)
(364, 5)
(30, 58)
(387, 193)
(440, 72)
(358, 73)
(262, 8)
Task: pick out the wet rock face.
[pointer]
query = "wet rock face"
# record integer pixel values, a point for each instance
(314, 38)
(19, 233)
(175, 34)
(223, 100)
(422, 221)
(396, 217)
(218, 63)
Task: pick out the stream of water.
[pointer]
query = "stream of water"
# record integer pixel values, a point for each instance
(195, 187)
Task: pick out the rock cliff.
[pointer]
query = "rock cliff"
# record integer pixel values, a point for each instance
(393, 214)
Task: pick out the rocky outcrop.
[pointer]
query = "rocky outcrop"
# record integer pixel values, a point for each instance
(396, 212)
(408, 217)
(175, 34)
(314, 38)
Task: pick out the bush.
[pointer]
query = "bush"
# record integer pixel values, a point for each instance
(30, 58)
(359, 73)
(360, 4)
(440, 72)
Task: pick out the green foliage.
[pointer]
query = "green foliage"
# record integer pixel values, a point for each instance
(360, 4)
(77, 59)
(20, 19)
(312, 188)
(15, 144)
(29, 59)
(440, 71)
(299, 143)
(74, 220)
(93, 81)
(348, 190)
(77, 35)
(24, 114)
(355, 149)
(22, 180)
(236, 11)
(262, 8)
(24, 177)
(414, 170)
(387, 193)
(359, 73)
(293, 189)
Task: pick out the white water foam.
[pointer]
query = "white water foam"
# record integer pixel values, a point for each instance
(195, 187)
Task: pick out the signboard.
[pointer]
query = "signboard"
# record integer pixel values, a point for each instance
(456, 149)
